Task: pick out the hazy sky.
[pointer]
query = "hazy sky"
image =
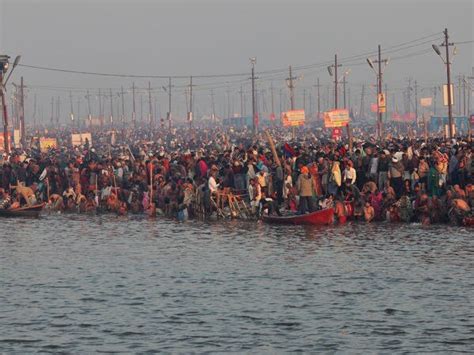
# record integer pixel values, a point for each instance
(197, 37)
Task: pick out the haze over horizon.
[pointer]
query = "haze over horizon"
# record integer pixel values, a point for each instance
(183, 37)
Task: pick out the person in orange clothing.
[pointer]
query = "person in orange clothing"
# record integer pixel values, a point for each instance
(313, 170)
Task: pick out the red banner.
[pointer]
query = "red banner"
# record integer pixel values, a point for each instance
(408, 117)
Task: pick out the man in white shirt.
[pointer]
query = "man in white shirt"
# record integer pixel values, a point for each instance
(350, 173)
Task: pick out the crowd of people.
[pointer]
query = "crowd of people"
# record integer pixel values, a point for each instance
(184, 173)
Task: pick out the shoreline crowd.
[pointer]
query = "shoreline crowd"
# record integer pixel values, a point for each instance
(184, 174)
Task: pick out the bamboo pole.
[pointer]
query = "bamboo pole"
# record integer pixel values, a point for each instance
(272, 148)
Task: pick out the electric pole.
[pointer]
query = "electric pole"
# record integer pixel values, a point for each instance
(72, 109)
(89, 109)
(58, 110)
(291, 86)
(446, 44)
(344, 91)
(213, 120)
(34, 113)
(272, 115)
(318, 86)
(241, 92)
(123, 106)
(304, 100)
(362, 102)
(52, 111)
(111, 108)
(134, 118)
(150, 108)
(416, 100)
(78, 111)
(101, 118)
(254, 112)
(169, 104)
(380, 96)
(22, 115)
(190, 112)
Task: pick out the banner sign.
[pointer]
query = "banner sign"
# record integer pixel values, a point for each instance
(382, 105)
(80, 138)
(426, 101)
(47, 144)
(445, 95)
(293, 118)
(2, 141)
(336, 133)
(407, 118)
(336, 118)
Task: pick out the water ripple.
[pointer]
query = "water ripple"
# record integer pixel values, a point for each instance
(82, 284)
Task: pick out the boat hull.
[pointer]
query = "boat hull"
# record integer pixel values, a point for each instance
(322, 217)
(32, 211)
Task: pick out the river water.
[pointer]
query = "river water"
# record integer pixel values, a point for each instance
(82, 284)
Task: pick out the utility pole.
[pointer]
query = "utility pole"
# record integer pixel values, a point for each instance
(254, 112)
(435, 91)
(123, 106)
(190, 113)
(459, 95)
(281, 102)
(241, 92)
(141, 108)
(111, 109)
(228, 103)
(213, 120)
(89, 109)
(78, 111)
(336, 80)
(134, 117)
(150, 108)
(304, 100)
(52, 111)
(272, 115)
(72, 109)
(22, 115)
(416, 100)
(380, 95)
(318, 86)
(291, 86)
(362, 102)
(464, 95)
(169, 104)
(58, 110)
(344, 91)
(446, 44)
(101, 118)
(34, 113)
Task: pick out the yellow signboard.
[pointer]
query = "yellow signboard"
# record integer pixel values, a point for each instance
(293, 118)
(382, 104)
(80, 139)
(336, 118)
(445, 95)
(47, 143)
(426, 101)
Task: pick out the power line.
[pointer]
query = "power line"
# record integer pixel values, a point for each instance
(394, 48)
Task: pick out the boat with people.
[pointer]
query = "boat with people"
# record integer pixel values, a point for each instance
(322, 217)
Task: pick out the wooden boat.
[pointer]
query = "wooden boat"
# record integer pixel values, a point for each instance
(322, 217)
(29, 211)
